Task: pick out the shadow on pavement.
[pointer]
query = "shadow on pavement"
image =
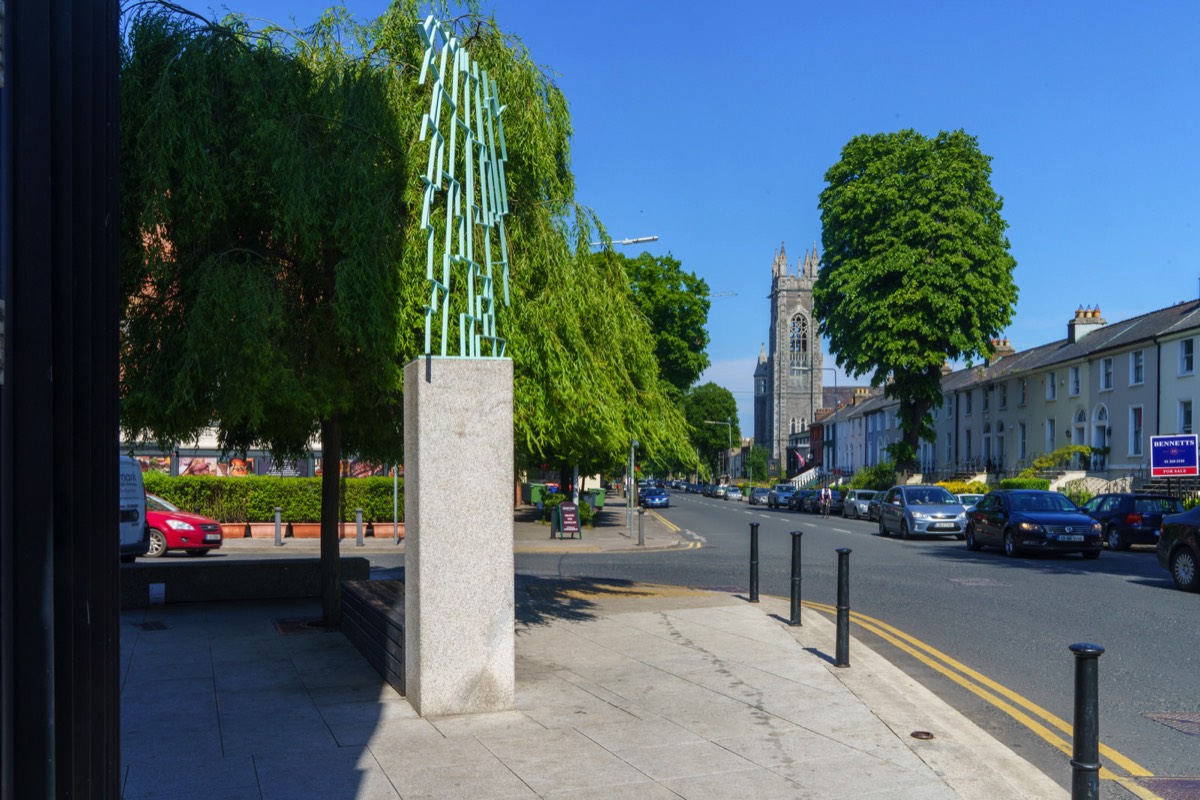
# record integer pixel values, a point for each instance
(540, 601)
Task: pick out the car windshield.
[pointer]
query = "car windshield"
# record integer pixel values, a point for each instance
(158, 504)
(1157, 505)
(1042, 501)
(934, 496)
(866, 495)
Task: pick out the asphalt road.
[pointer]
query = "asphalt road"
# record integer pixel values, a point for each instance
(1010, 619)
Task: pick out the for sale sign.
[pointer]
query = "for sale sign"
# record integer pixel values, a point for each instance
(1173, 455)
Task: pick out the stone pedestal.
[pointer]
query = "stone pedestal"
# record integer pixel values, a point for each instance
(458, 552)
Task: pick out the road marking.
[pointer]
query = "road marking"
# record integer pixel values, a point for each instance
(840, 530)
(998, 695)
(671, 526)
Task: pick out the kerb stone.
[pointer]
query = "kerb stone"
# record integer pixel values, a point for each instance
(458, 562)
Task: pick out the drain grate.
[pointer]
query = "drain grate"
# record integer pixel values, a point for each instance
(1187, 722)
(151, 626)
(976, 582)
(291, 626)
(1172, 788)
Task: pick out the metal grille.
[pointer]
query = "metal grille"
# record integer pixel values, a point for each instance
(1067, 530)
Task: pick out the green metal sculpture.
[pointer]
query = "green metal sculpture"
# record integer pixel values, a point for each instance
(464, 112)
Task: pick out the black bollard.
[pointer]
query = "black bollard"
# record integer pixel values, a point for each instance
(842, 657)
(246, 534)
(753, 562)
(289, 533)
(795, 620)
(370, 534)
(1085, 756)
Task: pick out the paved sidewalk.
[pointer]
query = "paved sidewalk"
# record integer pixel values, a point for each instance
(530, 535)
(623, 691)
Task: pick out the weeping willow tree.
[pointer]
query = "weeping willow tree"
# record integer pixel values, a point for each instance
(273, 270)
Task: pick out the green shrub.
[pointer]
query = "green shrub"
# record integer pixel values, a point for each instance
(1077, 491)
(254, 497)
(880, 477)
(587, 515)
(1058, 459)
(964, 487)
(1025, 483)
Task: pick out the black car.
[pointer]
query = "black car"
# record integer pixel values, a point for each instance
(1027, 520)
(812, 502)
(1131, 518)
(799, 497)
(1179, 549)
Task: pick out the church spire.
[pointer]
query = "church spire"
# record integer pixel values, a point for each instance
(762, 354)
(779, 267)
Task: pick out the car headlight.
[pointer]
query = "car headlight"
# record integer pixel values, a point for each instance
(961, 517)
(1097, 527)
(919, 515)
(179, 525)
(1030, 527)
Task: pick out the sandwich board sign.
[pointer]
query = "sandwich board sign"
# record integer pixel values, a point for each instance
(1173, 456)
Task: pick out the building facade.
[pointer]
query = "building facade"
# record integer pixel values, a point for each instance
(788, 379)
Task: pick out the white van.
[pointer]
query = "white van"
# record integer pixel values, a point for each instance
(134, 531)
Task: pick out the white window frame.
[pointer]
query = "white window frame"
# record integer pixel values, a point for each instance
(1022, 447)
(1187, 356)
(949, 406)
(1185, 421)
(1024, 392)
(967, 403)
(1106, 374)
(1136, 432)
(1051, 386)
(949, 447)
(1137, 368)
(1003, 400)
(1051, 431)
(1073, 383)
(986, 398)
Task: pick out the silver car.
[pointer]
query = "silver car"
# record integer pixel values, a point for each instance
(921, 510)
(855, 506)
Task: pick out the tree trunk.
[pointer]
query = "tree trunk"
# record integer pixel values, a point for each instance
(331, 563)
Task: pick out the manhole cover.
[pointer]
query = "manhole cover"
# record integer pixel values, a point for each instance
(1172, 788)
(976, 582)
(294, 625)
(151, 626)
(1184, 723)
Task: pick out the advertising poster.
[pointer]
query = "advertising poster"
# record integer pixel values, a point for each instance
(282, 469)
(211, 465)
(155, 463)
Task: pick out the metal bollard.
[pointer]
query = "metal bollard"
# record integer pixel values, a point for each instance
(1085, 756)
(370, 532)
(641, 527)
(842, 657)
(288, 533)
(753, 562)
(358, 529)
(278, 535)
(795, 620)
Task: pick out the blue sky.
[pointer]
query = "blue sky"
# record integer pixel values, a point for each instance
(711, 125)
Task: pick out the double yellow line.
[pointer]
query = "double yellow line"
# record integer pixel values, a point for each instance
(1030, 714)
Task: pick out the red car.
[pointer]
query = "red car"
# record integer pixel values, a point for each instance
(173, 529)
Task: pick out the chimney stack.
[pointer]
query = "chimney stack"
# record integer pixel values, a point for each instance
(1086, 320)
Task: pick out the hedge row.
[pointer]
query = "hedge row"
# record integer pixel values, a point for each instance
(254, 498)
(1025, 483)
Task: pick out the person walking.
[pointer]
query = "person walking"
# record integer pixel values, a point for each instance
(826, 499)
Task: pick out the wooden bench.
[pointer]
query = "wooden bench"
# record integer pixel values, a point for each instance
(373, 621)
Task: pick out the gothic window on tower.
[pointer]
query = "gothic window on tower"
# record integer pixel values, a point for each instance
(798, 341)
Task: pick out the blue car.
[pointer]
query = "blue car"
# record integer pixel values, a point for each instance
(655, 498)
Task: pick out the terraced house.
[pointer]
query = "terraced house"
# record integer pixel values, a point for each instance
(1107, 385)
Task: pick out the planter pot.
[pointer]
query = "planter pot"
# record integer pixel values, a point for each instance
(303, 530)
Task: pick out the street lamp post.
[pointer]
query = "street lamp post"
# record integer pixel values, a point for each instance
(631, 491)
(729, 439)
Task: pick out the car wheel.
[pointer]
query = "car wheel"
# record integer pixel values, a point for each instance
(904, 529)
(1184, 570)
(1010, 545)
(883, 531)
(971, 543)
(1115, 540)
(197, 552)
(158, 544)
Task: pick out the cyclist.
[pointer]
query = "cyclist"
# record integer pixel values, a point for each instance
(826, 499)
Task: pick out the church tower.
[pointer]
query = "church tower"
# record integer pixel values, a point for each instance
(788, 379)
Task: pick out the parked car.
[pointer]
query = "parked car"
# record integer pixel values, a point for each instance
(1179, 549)
(855, 504)
(758, 496)
(779, 495)
(798, 498)
(921, 509)
(1130, 518)
(733, 493)
(1025, 520)
(655, 498)
(969, 501)
(812, 502)
(171, 528)
(873, 507)
(719, 492)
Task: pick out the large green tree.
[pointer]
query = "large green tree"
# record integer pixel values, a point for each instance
(916, 268)
(708, 408)
(273, 276)
(675, 303)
